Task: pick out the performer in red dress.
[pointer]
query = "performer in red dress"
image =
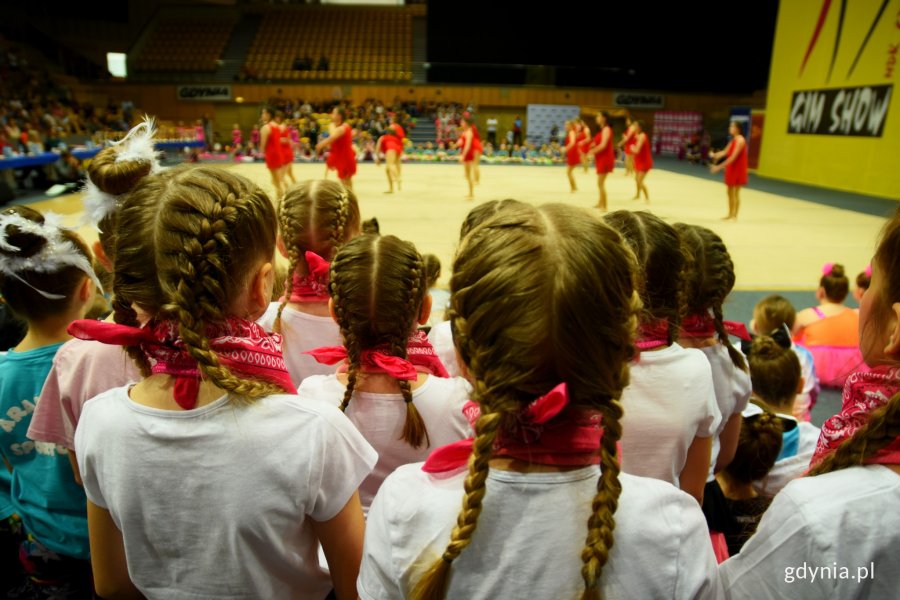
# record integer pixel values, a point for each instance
(643, 159)
(572, 152)
(391, 144)
(287, 149)
(735, 166)
(270, 141)
(604, 154)
(584, 143)
(627, 145)
(341, 157)
(470, 150)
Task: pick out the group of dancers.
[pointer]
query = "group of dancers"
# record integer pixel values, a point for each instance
(580, 149)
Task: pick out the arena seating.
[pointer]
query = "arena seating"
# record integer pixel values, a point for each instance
(367, 44)
(185, 45)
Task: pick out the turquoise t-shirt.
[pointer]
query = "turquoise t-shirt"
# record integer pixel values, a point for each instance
(41, 489)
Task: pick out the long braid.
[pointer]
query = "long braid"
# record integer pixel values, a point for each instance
(290, 231)
(882, 429)
(414, 431)
(601, 524)
(348, 327)
(195, 241)
(720, 283)
(341, 214)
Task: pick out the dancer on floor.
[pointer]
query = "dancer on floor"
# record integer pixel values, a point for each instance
(270, 142)
(604, 154)
(643, 160)
(391, 144)
(627, 145)
(470, 153)
(735, 166)
(341, 158)
(572, 152)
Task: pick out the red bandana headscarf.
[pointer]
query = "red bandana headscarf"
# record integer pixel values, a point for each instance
(549, 431)
(314, 286)
(241, 345)
(420, 356)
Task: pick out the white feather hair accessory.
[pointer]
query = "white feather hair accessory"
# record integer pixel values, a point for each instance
(137, 146)
(56, 254)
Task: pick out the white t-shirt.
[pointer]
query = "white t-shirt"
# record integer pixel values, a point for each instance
(732, 387)
(441, 337)
(668, 403)
(216, 502)
(529, 537)
(380, 418)
(846, 519)
(302, 332)
(787, 469)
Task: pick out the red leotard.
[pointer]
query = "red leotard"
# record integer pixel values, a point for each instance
(736, 172)
(475, 147)
(341, 157)
(573, 155)
(606, 158)
(584, 140)
(273, 151)
(643, 159)
(393, 141)
(629, 140)
(287, 148)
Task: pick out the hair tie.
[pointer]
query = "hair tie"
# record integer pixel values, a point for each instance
(827, 268)
(868, 271)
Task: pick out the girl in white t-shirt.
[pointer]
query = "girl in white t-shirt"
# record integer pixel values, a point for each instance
(671, 414)
(544, 312)
(211, 456)
(314, 218)
(835, 532)
(391, 384)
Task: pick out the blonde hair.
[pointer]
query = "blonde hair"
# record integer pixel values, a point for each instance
(541, 296)
(316, 216)
(188, 239)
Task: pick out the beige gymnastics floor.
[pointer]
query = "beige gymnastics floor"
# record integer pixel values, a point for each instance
(779, 243)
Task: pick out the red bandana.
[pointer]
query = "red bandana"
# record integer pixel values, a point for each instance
(419, 351)
(312, 287)
(864, 392)
(241, 345)
(653, 334)
(702, 326)
(548, 432)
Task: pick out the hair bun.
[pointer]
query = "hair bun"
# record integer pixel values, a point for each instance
(116, 177)
(764, 346)
(28, 243)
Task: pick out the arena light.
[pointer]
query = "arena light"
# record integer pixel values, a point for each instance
(116, 64)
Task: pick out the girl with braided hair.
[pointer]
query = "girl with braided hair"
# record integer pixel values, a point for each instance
(83, 369)
(671, 414)
(315, 218)
(548, 359)
(709, 278)
(391, 383)
(843, 514)
(47, 281)
(209, 478)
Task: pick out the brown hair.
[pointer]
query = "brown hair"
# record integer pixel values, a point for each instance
(661, 260)
(520, 333)
(758, 447)
(863, 280)
(774, 372)
(772, 312)
(484, 211)
(432, 269)
(883, 426)
(835, 284)
(188, 239)
(316, 216)
(378, 285)
(20, 294)
(115, 178)
(709, 278)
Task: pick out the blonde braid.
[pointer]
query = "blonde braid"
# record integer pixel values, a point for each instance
(340, 221)
(882, 429)
(433, 583)
(289, 232)
(200, 254)
(414, 430)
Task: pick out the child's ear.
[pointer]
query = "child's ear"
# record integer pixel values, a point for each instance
(893, 346)
(102, 258)
(425, 311)
(800, 385)
(279, 243)
(331, 310)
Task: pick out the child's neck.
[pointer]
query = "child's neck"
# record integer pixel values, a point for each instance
(380, 383)
(698, 343)
(317, 309)
(735, 490)
(785, 408)
(45, 332)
